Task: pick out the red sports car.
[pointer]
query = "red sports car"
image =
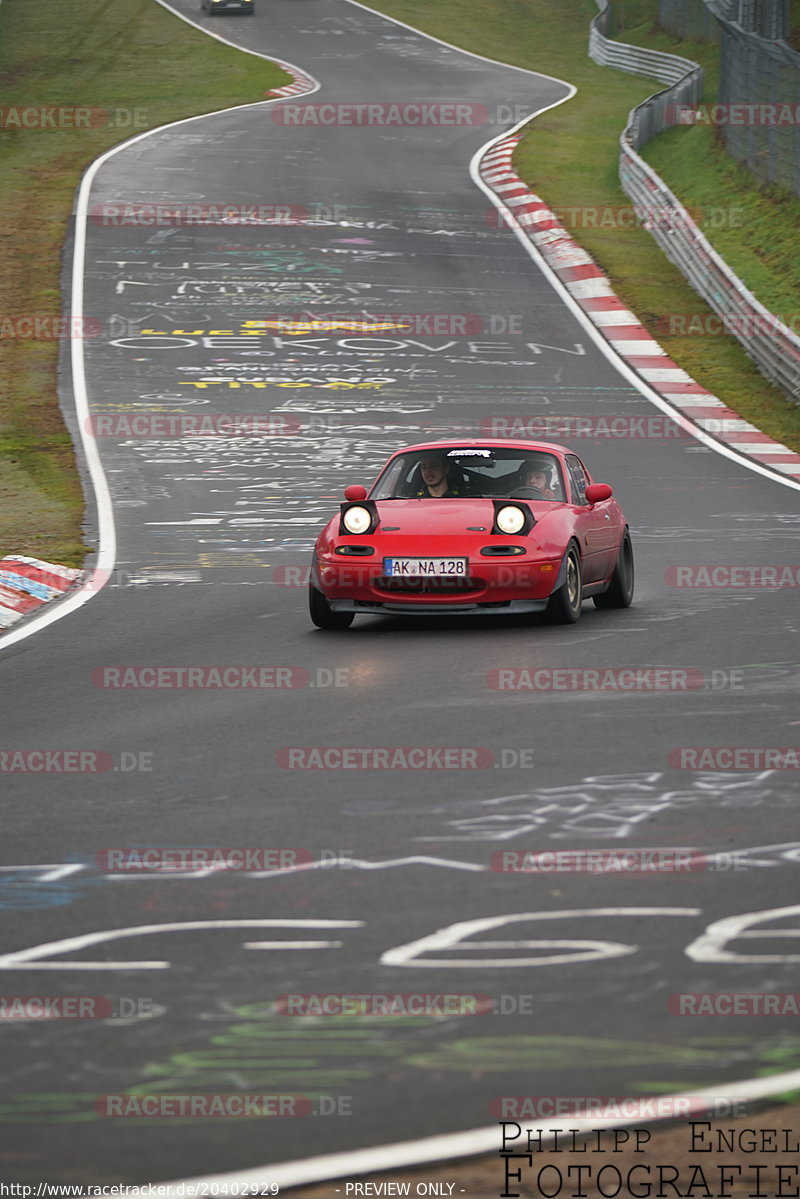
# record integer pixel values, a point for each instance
(469, 527)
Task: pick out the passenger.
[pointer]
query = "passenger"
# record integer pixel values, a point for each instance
(435, 483)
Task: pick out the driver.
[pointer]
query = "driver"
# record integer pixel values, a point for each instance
(534, 473)
(435, 483)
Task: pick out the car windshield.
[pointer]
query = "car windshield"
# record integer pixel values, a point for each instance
(454, 472)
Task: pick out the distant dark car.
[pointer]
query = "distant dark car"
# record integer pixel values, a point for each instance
(221, 6)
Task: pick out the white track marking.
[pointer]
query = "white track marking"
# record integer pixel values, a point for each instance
(292, 944)
(455, 934)
(455, 1146)
(31, 959)
(708, 947)
(279, 871)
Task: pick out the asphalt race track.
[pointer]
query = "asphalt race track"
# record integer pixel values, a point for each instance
(214, 543)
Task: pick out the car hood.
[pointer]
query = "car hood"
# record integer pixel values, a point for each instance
(434, 517)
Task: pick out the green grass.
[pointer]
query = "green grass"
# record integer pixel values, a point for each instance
(127, 55)
(570, 158)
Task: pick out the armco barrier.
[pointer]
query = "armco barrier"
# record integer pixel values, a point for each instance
(758, 70)
(637, 60)
(768, 341)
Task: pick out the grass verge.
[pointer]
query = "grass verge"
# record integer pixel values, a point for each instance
(147, 68)
(570, 158)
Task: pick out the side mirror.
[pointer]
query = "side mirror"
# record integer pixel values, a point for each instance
(356, 492)
(597, 492)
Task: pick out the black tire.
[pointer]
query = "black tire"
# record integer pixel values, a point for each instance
(564, 605)
(620, 589)
(323, 616)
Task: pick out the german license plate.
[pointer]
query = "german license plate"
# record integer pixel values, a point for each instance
(421, 568)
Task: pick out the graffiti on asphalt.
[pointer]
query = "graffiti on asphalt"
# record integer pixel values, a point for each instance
(261, 1050)
(609, 805)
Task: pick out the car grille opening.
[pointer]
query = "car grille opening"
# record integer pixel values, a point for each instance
(429, 585)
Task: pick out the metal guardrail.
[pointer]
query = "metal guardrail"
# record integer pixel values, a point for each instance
(637, 60)
(759, 79)
(773, 346)
(684, 76)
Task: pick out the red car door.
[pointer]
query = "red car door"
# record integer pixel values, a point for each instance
(596, 526)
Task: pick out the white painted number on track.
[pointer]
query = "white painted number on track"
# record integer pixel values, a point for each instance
(709, 946)
(573, 951)
(36, 957)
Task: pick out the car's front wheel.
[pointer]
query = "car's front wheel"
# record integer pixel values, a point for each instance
(620, 590)
(564, 605)
(323, 615)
